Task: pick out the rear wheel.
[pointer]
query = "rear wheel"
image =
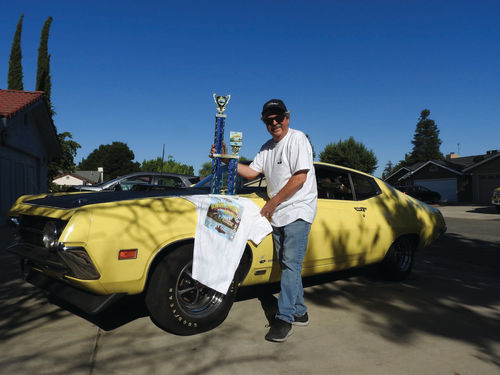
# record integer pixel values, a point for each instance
(398, 261)
(179, 304)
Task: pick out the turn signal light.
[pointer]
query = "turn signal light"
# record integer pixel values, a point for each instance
(127, 254)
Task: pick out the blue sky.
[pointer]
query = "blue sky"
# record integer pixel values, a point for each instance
(143, 72)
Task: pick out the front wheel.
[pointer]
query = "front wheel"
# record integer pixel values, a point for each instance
(181, 305)
(398, 261)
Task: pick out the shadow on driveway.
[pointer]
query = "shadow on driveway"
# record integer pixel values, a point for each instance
(485, 210)
(454, 292)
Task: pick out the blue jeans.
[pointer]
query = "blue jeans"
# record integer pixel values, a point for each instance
(291, 244)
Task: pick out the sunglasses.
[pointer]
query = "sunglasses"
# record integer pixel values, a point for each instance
(270, 120)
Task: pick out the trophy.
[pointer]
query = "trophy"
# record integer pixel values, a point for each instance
(235, 144)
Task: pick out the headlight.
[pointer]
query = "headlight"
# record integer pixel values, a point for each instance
(50, 235)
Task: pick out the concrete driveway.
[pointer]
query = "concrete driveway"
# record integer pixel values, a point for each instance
(444, 319)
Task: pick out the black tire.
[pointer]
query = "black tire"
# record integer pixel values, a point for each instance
(498, 208)
(181, 305)
(398, 261)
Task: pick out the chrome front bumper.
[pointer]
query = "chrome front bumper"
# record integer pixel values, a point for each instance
(61, 261)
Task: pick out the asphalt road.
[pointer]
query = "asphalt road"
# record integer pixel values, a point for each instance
(445, 319)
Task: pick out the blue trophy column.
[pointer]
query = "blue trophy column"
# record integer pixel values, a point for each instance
(216, 163)
(232, 176)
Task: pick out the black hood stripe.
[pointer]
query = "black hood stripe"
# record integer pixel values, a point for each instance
(79, 200)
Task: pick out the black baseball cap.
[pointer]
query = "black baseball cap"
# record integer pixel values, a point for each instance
(273, 107)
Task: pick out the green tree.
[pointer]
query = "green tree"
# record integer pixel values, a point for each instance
(312, 147)
(426, 140)
(387, 170)
(116, 159)
(67, 161)
(206, 168)
(69, 148)
(15, 76)
(43, 81)
(350, 154)
(169, 165)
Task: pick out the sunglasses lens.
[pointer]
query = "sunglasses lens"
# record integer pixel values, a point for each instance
(279, 119)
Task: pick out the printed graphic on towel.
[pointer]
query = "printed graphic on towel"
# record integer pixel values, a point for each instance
(224, 217)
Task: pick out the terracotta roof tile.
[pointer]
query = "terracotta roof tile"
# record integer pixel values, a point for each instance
(12, 101)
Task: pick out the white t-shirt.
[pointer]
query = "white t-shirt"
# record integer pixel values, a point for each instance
(278, 162)
(225, 224)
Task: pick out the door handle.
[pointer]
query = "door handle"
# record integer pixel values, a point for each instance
(360, 209)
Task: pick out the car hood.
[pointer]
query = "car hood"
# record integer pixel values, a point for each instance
(69, 201)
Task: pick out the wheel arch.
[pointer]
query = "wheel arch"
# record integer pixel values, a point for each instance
(162, 253)
(242, 270)
(413, 237)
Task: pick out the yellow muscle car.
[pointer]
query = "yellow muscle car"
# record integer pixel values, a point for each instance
(91, 248)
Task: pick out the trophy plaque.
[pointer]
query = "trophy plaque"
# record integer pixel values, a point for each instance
(220, 152)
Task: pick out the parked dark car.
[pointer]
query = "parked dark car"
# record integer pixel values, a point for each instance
(128, 181)
(421, 193)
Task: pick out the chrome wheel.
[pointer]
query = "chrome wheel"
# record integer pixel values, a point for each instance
(194, 298)
(179, 304)
(402, 255)
(398, 261)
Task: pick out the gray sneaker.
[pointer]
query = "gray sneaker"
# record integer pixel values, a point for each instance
(279, 331)
(301, 320)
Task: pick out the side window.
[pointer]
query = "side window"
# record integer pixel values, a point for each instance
(365, 187)
(128, 183)
(333, 184)
(142, 179)
(169, 181)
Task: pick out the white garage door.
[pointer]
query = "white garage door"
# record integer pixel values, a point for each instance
(447, 187)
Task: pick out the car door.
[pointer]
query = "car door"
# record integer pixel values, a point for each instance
(337, 230)
(375, 232)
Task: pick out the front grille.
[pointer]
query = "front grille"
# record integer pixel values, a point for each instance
(30, 228)
(58, 259)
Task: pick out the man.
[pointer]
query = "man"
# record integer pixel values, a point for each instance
(287, 163)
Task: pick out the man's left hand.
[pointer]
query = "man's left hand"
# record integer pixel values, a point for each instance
(268, 209)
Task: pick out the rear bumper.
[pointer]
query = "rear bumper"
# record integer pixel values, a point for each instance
(88, 302)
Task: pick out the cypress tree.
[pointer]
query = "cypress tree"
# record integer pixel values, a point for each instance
(43, 82)
(426, 140)
(15, 76)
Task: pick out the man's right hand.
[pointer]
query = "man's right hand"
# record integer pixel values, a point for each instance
(224, 151)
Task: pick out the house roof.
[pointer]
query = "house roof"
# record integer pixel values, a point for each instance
(439, 163)
(481, 159)
(455, 165)
(12, 101)
(81, 178)
(91, 177)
